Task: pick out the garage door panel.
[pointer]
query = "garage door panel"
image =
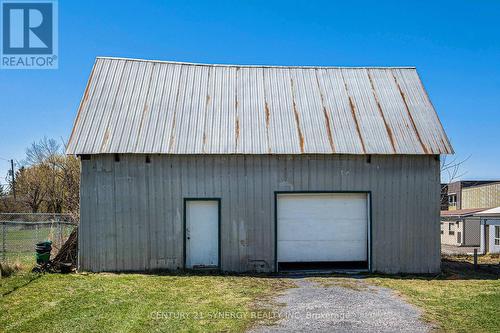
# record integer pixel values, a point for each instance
(322, 227)
(322, 230)
(344, 206)
(307, 251)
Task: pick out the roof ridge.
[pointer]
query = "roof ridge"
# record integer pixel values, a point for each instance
(254, 66)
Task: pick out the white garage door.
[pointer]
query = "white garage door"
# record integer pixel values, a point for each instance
(322, 227)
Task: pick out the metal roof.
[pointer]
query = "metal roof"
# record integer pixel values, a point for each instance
(460, 212)
(490, 212)
(142, 106)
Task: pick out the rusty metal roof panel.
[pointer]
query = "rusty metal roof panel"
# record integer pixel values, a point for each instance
(139, 106)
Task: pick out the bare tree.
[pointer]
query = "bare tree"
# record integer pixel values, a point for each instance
(46, 154)
(30, 184)
(42, 151)
(452, 170)
(3, 196)
(49, 181)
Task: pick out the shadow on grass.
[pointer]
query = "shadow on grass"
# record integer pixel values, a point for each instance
(451, 270)
(30, 278)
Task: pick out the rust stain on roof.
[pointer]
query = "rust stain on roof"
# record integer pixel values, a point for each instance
(114, 102)
(297, 119)
(205, 125)
(387, 128)
(236, 104)
(174, 119)
(144, 113)
(146, 107)
(237, 128)
(105, 139)
(204, 142)
(266, 109)
(328, 129)
(172, 135)
(443, 142)
(353, 112)
(325, 113)
(403, 96)
(207, 103)
(299, 131)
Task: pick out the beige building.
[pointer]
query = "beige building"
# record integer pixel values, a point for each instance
(482, 196)
(468, 194)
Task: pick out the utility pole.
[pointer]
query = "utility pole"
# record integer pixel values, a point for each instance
(13, 178)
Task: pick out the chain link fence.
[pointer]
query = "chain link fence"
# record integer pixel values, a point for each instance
(19, 232)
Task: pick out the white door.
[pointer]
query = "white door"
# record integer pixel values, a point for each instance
(322, 227)
(202, 233)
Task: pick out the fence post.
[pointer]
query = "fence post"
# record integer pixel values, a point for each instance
(59, 234)
(475, 259)
(4, 237)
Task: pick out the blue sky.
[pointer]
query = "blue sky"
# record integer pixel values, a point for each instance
(455, 46)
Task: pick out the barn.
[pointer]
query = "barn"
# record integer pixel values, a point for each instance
(257, 168)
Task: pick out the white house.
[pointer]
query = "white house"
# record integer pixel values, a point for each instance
(490, 230)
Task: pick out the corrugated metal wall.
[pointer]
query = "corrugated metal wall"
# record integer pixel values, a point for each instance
(131, 211)
(484, 196)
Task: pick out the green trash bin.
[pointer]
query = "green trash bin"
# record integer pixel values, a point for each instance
(43, 250)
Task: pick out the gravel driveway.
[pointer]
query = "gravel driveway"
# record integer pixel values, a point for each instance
(341, 305)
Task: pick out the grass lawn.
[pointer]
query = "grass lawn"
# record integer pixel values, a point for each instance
(132, 302)
(491, 259)
(459, 300)
(454, 305)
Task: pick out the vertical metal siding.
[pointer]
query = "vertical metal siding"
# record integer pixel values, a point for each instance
(131, 211)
